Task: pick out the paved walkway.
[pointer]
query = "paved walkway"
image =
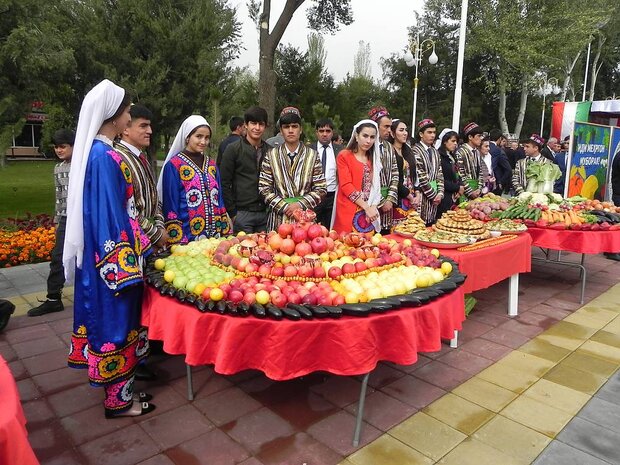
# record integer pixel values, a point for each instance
(505, 396)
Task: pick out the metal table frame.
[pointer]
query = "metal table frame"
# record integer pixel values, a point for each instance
(558, 261)
(360, 403)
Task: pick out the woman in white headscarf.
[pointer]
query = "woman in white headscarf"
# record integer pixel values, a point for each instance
(189, 186)
(359, 182)
(104, 250)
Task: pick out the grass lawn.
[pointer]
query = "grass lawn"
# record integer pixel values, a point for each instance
(27, 186)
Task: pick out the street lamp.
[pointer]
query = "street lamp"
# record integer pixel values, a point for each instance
(549, 84)
(413, 57)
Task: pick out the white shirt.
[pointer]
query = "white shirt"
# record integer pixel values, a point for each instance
(330, 166)
(132, 149)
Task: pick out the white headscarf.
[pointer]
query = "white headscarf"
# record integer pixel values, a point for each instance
(179, 143)
(375, 190)
(99, 104)
(441, 134)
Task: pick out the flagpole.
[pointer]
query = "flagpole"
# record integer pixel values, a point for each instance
(458, 87)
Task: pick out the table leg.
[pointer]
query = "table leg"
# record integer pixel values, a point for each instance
(190, 386)
(360, 411)
(513, 295)
(454, 342)
(582, 275)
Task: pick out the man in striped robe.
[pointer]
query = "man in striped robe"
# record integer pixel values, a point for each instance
(532, 155)
(471, 166)
(134, 140)
(389, 173)
(291, 175)
(428, 168)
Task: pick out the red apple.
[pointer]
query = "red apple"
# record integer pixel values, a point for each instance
(360, 266)
(243, 263)
(249, 297)
(330, 243)
(319, 272)
(339, 300)
(314, 230)
(277, 271)
(309, 299)
(264, 270)
(279, 300)
(251, 268)
(290, 271)
(275, 242)
(348, 268)
(206, 294)
(285, 229)
(299, 234)
(235, 296)
(334, 235)
(280, 283)
(293, 298)
(334, 272)
(303, 248)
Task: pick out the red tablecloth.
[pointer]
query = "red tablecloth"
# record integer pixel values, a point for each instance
(14, 445)
(576, 241)
(289, 349)
(488, 266)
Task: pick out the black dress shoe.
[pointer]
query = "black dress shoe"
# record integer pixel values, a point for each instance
(613, 256)
(144, 374)
(48, 306)
(6, 310)
(136, 410)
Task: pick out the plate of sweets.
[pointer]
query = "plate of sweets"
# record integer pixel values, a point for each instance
(410, 225)
(442, 239)
(506, 226)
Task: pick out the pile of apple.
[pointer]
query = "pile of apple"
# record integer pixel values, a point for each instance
(300, 266)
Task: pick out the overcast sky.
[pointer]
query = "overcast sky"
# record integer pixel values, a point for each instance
(382, 24)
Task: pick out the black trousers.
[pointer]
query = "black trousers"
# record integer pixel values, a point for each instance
(324, 210)
(56, 278)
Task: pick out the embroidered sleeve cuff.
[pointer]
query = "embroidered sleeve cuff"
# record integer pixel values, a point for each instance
(119, 268)
(354, 196)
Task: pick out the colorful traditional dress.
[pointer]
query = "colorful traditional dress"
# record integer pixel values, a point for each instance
(108, 338)
(193, 205)
(405, 187)
(472, 169)
(354, 182)
(430, 179)
(519, 178)
(389, 182)
(286, 179)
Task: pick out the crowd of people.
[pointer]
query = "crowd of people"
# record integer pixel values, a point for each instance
(112, 211)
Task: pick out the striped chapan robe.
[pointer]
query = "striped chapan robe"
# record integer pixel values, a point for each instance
(389, 183)
(471, 167)
(430, 179)
(282, 181)
(519, 179)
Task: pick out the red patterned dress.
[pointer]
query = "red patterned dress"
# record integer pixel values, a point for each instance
(354, 181)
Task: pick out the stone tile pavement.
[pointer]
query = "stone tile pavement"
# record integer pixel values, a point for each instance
(512, 393)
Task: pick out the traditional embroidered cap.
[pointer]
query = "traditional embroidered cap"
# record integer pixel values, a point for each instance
(471, 129)
(426, 123)
(538, 140)
(290, 110)
(376, 113)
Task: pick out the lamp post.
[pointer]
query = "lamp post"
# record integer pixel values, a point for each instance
(553, 82)
(413, 57)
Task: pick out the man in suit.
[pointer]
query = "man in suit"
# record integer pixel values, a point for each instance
(499, 162)
(551, 149)
(327, 151)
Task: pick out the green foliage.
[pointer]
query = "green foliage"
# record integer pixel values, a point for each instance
(20, 194)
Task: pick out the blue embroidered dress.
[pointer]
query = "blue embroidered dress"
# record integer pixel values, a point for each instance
(193, 204)
(108, 338)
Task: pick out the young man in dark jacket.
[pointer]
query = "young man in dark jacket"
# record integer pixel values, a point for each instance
(239, 169)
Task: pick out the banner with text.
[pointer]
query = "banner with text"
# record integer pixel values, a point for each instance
(589, 161)
(613, 152)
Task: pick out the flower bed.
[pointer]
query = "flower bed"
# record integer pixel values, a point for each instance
(26, 240)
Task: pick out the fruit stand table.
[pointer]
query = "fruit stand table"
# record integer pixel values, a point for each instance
(487, 266)
(14, 445)
(566, 240)
(289, 349)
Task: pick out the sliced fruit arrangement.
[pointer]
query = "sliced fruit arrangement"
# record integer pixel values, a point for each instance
(302, 271)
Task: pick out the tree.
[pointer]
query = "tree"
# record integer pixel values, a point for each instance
(362, 67)
(323, 16)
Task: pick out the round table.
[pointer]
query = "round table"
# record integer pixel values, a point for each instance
(14, 445)
(289, 349)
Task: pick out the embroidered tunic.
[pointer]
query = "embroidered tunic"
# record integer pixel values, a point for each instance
(148, 206)
(283, 181)
(472, 169)
(193, 205)
(108, 338)
(430, 179)
(61, 185)
(354, 182)
(519, 179)
(389, 182)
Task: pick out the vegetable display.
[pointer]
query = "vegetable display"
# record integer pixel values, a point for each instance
(542, 176)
